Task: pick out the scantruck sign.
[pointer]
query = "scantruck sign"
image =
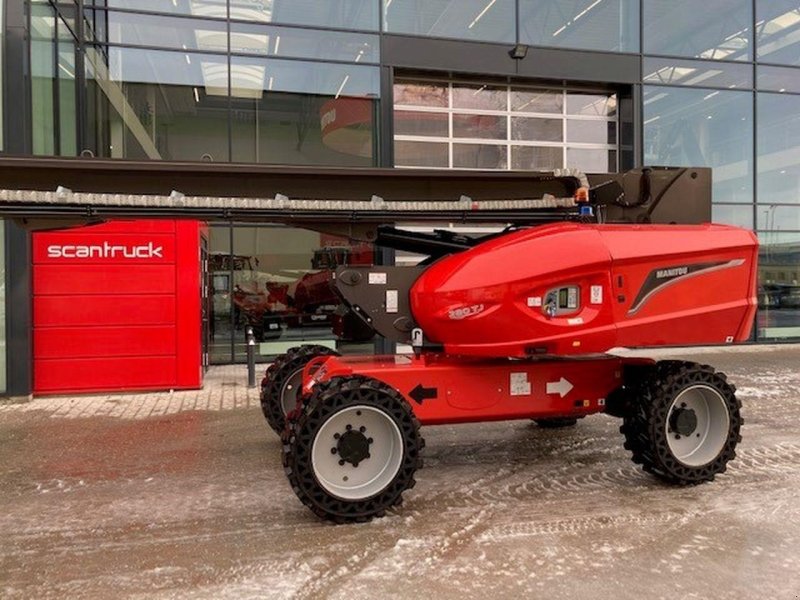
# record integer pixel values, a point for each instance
(105, 250)
(117, 307)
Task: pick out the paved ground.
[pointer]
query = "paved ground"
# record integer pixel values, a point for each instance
(182, 495)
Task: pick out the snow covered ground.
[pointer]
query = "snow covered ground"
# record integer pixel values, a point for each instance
(194, 504)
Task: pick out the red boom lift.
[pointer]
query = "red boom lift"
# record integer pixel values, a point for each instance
(518, 325)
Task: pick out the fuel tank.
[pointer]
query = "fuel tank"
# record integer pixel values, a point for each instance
(569, 288)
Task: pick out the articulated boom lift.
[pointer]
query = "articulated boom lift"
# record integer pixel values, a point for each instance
(518, 325)
(513, 325)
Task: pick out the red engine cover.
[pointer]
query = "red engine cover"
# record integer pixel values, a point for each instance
(575, 289)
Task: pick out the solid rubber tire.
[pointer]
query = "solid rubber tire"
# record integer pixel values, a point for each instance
(298, 439)
(276, 375)
(644, 424)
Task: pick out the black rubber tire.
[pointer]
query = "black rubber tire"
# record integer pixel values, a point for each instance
(644, 424)
(327, 399)
(276, 376)
(556, 422)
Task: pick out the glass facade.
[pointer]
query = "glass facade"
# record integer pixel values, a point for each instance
(276, 280)
(304, 82)
(472, 125)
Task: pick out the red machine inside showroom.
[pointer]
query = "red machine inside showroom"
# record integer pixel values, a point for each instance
(117, 307)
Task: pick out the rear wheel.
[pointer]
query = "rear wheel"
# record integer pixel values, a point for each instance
(354, 450)
(683, 422)
(283, 380)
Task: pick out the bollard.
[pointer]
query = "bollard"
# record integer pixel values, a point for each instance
(251, 358)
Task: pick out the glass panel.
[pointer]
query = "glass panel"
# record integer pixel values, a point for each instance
(591, 160)
(699, 73)
(67, 105)
(339, 14)
(198, 8)
(733, 214)
(778, 143)
(421, 94)
(779, 286)
(596, 105)
(221, 267)
(421, 123)
(487, 20)
(591, 131)
(159, 105)
(251, 77)
(717, 29)
(777, 26)
(533, 158)
(479, 156)
(539, 130)
(778, 79)
(776, 218)
(166, 32)
(690, 127)
(282, 286)
(303, 43)
(537, 101)
(294, 112)
(588, 24)
(490, 127)
(421, 154)
(43, 32)
(480, 97)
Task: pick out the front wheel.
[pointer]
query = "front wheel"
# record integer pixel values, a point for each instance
(683, 422)
(354, 450)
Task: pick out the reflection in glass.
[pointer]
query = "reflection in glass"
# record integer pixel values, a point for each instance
(158, 104)
(592, 160)
(693, 127)
(408, 93)
(778, 79)
(777, 26)
(536, 129)
(197, 8)
(611, 25)
(733, 214)
(303, 43)
(479, 97)
(774, 217)
(713, 29)
(592, 132)
(537, 101)
(408, 122)
(480, 156)
(486, 20)
(166, 32)
(490, 127)
(421, 154)
(591, 105)
(779, 285)
(293, 112)
(338, 14)
(670, 71)
(778, 144)
(536, 158)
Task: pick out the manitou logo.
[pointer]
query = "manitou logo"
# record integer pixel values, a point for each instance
(106, 250)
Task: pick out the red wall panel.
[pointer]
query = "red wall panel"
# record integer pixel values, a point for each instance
(117, 307)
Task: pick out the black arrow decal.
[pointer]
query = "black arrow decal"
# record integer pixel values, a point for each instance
(419, 393)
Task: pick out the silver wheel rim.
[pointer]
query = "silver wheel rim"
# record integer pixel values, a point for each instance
(289, 391)
(373, 474)
(708, 438)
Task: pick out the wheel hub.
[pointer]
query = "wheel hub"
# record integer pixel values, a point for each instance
(352, 447)
(683, 421)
